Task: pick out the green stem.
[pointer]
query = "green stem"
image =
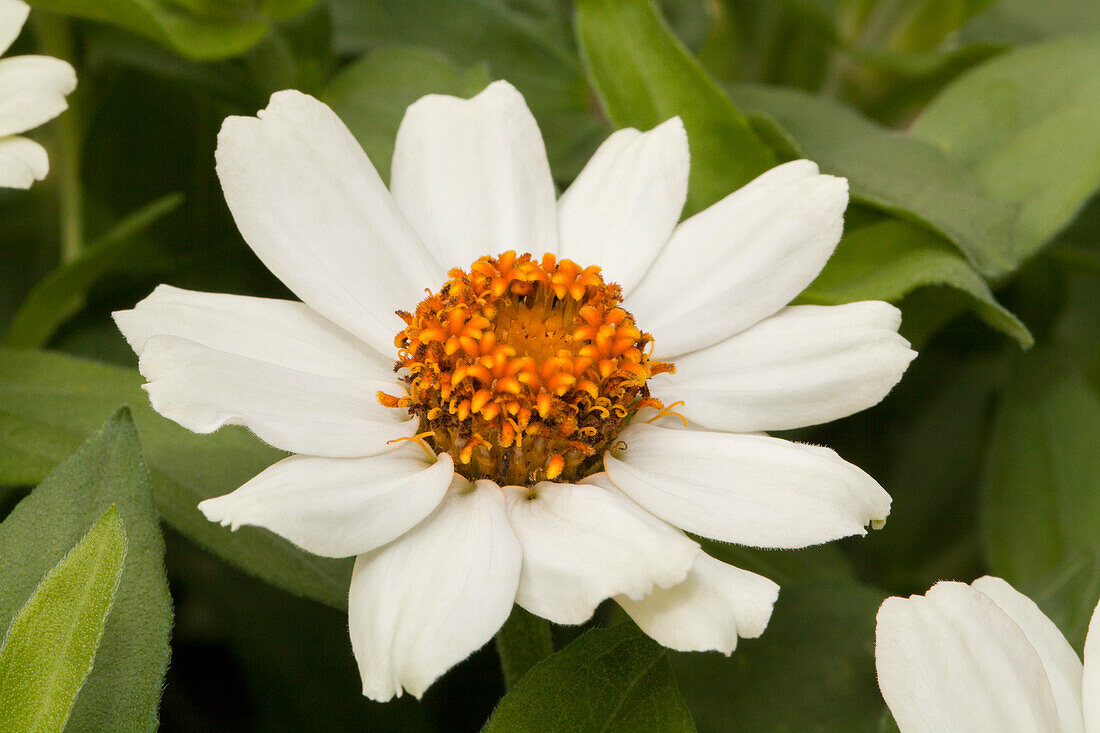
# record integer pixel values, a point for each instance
(55, 37)
(522, 642)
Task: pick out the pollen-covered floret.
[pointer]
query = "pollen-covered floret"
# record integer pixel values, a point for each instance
(524, 370)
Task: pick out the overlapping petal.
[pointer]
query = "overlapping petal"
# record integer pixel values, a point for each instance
(472, 177)
(953, 660)
(202, 389)
(13, 14)
(805, 365)
(742, 259)
(281, 332)
(1090, 683)
(621, 210)
(426, 601)
(338, 507)
(32, 91)
(714, 606)
(750, 489)
(585, 543)
(22, 162)
(312, 207)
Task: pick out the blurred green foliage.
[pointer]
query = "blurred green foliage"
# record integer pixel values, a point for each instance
(967, 130)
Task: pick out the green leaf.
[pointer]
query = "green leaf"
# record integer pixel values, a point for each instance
(821, 562)
(528, 43)
(123, 692)
(371, 95)
(615, 679)
(49, 403)
(890, 259)
(890, 171)
(1068, 595)
(62, 293)
(197, 29)
(815, 662)
(1040, 504)
(49, 648)
(1023, 21)
(1025, 125)
(645, 76)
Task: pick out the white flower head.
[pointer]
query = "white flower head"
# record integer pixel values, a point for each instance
(32, 91)
(983, 657)
(497, 397)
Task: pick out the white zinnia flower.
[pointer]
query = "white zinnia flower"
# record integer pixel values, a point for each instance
(520, 376)
(983, 657)
(32, 91)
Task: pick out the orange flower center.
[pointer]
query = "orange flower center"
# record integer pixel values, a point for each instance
(522, 370)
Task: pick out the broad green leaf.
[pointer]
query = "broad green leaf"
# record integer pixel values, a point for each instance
(49, 648)
(615, 679)
(813, 668)
(63, 292)
(528, 43)
(1068, 594)
(49, 403)
(371, 94)
(1025, 125)
(891, 171)
(1024, 21)
(197, 29)
(644, 76)
(890, 259)
(123, 691)
(1040, 505)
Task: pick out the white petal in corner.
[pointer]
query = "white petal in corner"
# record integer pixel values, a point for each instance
(425, 602)
(952, 660)
(715, 605)
(203, 389)
(338, 507)
(805, 365)
(22, 162)
(282, 332)
(1091, 682)
(622, 208)
(472, 177)
(583, 543)
(32, 91)
(1061, 663)
(13, 14)
(750, 489)
(741, 260)
(311, 206)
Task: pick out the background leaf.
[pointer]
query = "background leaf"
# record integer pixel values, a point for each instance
(123, 692)
(48, 649)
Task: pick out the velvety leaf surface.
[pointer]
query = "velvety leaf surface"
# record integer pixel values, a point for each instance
(49, 403)
(123, 692)
(615, 679)
(48, 649)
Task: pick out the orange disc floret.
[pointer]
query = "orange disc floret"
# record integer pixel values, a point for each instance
(524, 370)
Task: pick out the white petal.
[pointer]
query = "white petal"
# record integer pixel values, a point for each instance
(203, 389)
(310, 204)
(715, 605)
(622, 208)
(751, 489)
(338, 507)
(22, 162)
(1061, 663)
(805, 365)
(954, 661)
(583, 543)
(472, 177)
(282, 332)
(13, 14)
(741, 260)
(422, 604)
(1091, 683)
(32, 91)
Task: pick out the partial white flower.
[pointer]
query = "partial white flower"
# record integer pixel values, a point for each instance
(546, 472)
(984, 657)
(32, 91)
